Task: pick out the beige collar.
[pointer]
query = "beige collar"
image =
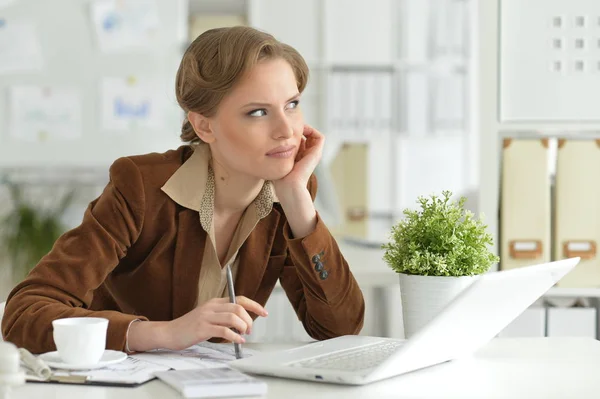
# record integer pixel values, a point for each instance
(193, 186)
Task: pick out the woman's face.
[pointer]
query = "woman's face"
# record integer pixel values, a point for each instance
(258, 126)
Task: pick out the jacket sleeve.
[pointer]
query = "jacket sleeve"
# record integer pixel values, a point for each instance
(63, 282)
(328, 302)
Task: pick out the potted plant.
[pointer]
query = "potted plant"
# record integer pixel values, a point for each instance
(28, 232)
(437, 250)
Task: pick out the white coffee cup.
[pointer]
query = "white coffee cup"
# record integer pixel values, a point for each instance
(80, 340)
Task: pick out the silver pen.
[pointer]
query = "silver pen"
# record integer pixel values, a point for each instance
(238, 347)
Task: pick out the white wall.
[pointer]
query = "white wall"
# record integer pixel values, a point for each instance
(72, 59)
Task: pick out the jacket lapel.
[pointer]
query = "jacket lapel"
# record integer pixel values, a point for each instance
(254, 255)
(189, 252)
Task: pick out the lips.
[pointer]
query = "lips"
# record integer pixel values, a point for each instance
(282, 149)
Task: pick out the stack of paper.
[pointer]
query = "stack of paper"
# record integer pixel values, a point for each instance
(142, 367)
(201, 356)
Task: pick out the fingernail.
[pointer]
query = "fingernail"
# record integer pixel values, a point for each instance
(243, 340)
(266, 313)
(249, 331)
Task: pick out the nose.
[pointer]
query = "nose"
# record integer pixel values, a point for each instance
(283, 128)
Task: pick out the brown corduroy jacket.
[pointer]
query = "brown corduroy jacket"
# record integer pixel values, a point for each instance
(137, 255)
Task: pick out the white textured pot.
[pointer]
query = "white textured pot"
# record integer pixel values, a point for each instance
(423, 297)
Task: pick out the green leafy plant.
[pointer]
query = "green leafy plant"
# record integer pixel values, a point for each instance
(27, 233)
(439, 239)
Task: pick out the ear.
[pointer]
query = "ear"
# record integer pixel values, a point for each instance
(202, 126)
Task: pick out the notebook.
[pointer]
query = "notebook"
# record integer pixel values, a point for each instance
(213, 383)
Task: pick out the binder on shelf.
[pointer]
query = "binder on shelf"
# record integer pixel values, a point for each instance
(577, 211)
(525, 216)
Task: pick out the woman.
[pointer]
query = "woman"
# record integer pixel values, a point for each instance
(152, 250)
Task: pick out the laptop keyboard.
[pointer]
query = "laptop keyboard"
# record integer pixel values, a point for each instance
(355, 359)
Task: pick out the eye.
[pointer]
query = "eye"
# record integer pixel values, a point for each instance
(258, 112)
(294, 104)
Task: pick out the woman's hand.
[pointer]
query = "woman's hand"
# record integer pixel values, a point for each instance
(215, 318)
(292, 189)
(309, 155)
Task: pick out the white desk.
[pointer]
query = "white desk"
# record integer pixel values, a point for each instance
(506, 368)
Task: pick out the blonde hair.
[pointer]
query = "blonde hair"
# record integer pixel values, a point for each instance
(216, 60)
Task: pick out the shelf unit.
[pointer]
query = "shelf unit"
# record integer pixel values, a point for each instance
(493, 128)
(558, 292)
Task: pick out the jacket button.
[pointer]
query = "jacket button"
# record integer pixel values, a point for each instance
(324, 275)
(316, 258)
(319, 266)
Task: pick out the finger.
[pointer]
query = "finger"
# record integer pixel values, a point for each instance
(317, 142)
(239, 311)
(314, 139)
(230, 320)
(247, 304)
(251, 305)
(301, 148)
(227, 333)
(314, 148)
(308, 130)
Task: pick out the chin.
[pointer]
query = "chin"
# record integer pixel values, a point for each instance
(277, 173)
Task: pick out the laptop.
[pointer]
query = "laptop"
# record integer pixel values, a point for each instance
(469, 322)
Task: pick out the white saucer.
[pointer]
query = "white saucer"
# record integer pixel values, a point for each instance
(109, 357)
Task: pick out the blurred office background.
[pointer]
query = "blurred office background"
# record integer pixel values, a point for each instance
(414, 96)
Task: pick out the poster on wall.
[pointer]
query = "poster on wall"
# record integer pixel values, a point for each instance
(6, 3)
(41, 114)
(20, 49)
(124, 24)
(131, 103)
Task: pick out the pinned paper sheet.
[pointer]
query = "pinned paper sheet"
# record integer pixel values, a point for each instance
(20, 50)
(39, 114)
(6, 3)
(131, 103)
(122, 24)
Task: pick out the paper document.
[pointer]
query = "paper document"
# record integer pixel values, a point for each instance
(213, 383)
(131, 371)
(202, 355)
(120, 25)
(20, 49)
(141, 367)
(131, 104)
(44, 113)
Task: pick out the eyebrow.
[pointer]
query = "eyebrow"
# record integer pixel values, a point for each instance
(258, 104)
